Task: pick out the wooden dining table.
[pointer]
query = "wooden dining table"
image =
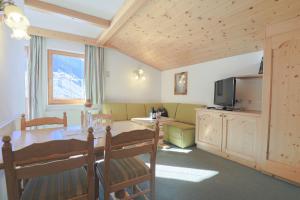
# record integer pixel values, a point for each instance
(21, 139)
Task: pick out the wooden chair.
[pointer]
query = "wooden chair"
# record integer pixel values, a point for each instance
(54, 169)
(43, 121)
(121, 168)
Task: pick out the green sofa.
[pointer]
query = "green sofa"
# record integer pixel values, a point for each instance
(126, 111)
(180, 132)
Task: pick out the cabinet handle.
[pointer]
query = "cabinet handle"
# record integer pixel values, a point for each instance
(224, 116)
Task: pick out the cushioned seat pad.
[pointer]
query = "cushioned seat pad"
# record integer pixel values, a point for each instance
(59, 186)
(180, 125)
(123, 169)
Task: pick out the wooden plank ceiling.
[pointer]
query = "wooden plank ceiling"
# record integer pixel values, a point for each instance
(174, 33)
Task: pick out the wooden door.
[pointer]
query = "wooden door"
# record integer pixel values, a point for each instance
(239, 138)
(281, 152)
(209, 130)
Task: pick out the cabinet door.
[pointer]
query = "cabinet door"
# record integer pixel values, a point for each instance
(239, 134)
(209, 130)
(281, 153)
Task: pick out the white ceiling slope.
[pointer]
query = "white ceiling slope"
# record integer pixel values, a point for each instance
(100, 8)
(61, 23)
(105, 9)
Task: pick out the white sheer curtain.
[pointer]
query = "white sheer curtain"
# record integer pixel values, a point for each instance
(94, 74)
(37, 53)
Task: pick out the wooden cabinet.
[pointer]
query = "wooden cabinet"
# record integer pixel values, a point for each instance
(281, 101)
(229, 134)
(209, 130)
(239, 137)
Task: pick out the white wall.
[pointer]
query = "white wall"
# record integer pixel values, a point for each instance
(201, 78)
(12, 83)
(119, 84)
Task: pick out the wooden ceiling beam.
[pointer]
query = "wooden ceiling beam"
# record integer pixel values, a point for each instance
(61, 35)
(129, 8)
(68, 12)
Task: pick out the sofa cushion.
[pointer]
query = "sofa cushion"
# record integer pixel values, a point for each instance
(180, 125)
(106, 109)
(135, 110)
(118, 111)
(149, 107)
(179, 134)
(186, 113)
(171, 108)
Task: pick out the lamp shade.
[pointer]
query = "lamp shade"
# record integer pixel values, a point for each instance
(15, 19)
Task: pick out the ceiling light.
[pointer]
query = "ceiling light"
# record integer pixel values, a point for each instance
(15, 19)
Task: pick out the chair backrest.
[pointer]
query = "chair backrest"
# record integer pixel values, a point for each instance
(130, 144)
(43, 121)
(47, 158)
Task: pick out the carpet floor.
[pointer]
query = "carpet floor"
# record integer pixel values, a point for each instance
(193, 174)
(200, 175)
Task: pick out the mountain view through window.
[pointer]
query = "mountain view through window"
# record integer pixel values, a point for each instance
(67, 77)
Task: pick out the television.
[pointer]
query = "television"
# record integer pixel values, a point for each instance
(225, 93)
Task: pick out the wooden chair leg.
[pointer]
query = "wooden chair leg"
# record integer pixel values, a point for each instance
(106, 195)
(134, 189)
(96, 187)
(152, 188)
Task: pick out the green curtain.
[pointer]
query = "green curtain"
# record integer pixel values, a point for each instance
(94, 74)
(35, 76)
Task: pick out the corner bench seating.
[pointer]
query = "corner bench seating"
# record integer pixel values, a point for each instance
(180, 132)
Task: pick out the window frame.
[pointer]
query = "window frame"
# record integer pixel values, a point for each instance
(51, 100)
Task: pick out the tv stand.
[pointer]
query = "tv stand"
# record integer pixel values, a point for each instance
(222, 108)
(230, 134)
(227, 108)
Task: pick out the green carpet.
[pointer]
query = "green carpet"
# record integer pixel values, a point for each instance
(204, 176)
(201, 175)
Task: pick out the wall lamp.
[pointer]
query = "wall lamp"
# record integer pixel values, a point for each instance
(15, 19)
(139, 74)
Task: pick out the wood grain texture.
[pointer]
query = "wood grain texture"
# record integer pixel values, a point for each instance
(175, 33)
(43, 121)
(232, 135)
(59, 148)
(132, 137)
(68, 12)
(22, 139)
(82, 151)
(129, 8)
(239, 137)
(117, 147)
(209, 129)
(281, 103)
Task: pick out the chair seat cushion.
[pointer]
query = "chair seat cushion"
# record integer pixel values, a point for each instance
(123, 169)
(59, 186)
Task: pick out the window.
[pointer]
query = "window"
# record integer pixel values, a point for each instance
(65, 78)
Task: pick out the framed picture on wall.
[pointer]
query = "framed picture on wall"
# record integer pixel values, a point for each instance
(180, 83)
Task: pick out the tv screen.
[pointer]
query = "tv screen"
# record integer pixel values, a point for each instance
(225, 92)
